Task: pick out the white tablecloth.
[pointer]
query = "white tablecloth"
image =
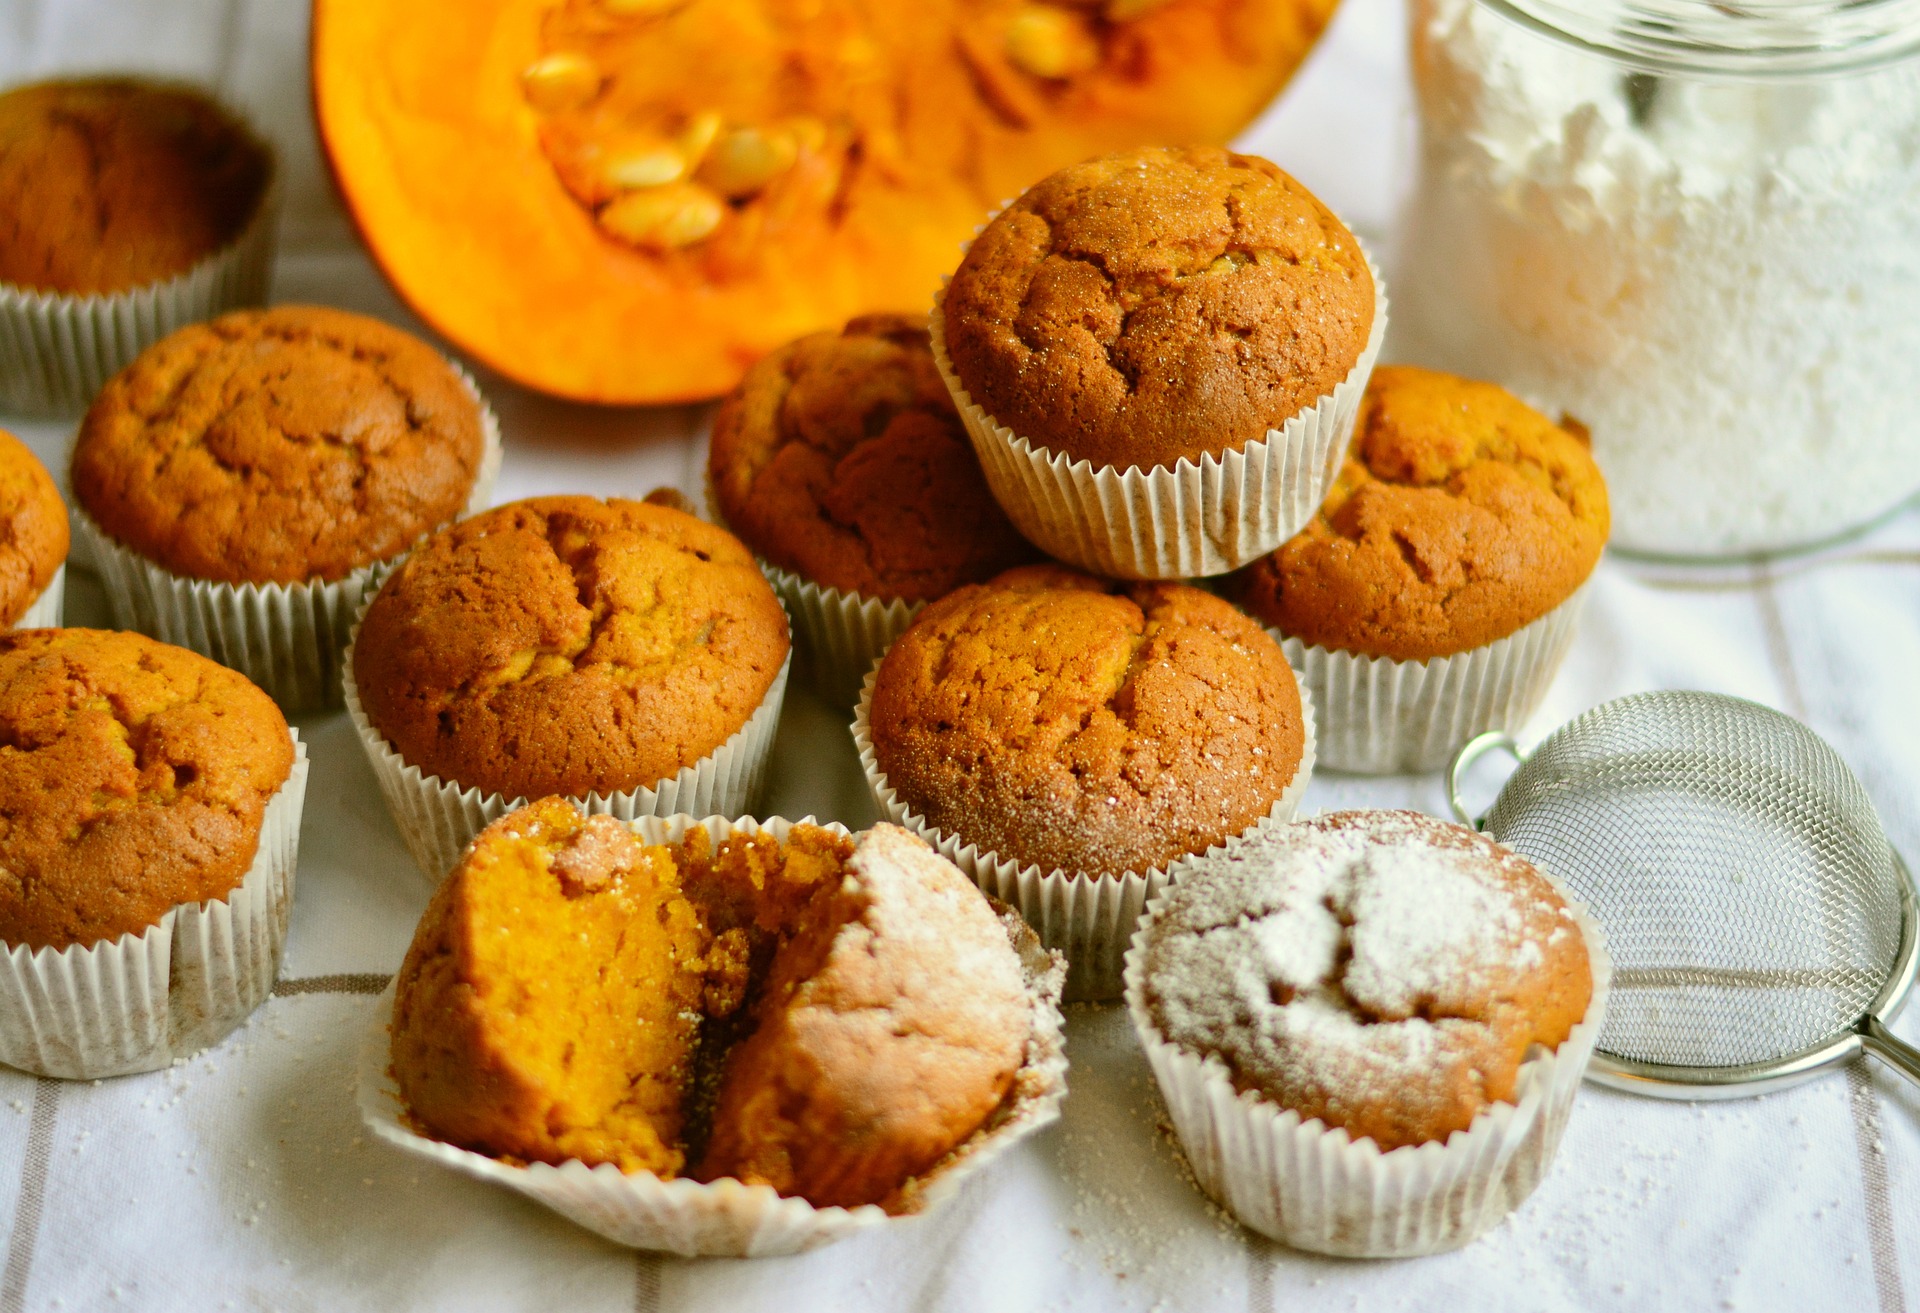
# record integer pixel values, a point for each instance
(242, 1179)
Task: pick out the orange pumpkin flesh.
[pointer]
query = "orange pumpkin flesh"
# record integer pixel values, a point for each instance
(629, 201)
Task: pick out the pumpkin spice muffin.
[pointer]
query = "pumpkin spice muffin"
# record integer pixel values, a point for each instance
(568, 645)
(1435, 593)
(33, 529)
(840, 458)
(549, 1006)
(279, 446)
(1094, 727)
(890, 1027)
(1460, 957)
(1390, 980)
(111, 183)
(134, 777)
(1158, 305)
(1461, 515)
(825, 1015)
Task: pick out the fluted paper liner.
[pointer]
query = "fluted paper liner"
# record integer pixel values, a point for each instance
(1089, 918)
(1379, 716)
(1314, 1188)
(57, 351)
(727, 1218)
(1190, 519)
(45, 610)
(438, 818)
(842, 633)
(287, 638)
(139, 1002)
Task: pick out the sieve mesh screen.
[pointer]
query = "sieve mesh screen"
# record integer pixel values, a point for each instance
(1747, 888)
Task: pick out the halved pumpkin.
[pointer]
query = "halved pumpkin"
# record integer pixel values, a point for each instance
(631, 200)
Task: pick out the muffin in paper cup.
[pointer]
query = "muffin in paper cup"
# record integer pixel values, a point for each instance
(46, 610)
(141, 1002)
(438, 818)
(1086, 917)
(1379, 716)
(287, 638)
(726, 1217)
(1317, 1189)
(57, 351)
(1191, 519)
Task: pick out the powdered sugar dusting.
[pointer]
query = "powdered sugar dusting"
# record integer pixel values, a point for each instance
(1359, 964)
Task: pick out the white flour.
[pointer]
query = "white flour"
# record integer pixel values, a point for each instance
(1727, 293)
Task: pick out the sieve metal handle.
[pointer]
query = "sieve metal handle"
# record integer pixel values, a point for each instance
(1470, 752)
(1890, 1048)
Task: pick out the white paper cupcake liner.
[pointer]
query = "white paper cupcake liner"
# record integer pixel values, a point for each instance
(726, 1218)
(438, 818)
(58, 351)
(45, 611)
(1089, 918)
(841, 634)
(837, 634)
(1182, 521)
(1379, 716)
(142, 1001)
(1317, 1189)
(287, 638)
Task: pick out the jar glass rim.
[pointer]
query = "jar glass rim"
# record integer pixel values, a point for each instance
(1749, 40)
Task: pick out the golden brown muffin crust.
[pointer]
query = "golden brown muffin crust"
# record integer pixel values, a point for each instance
(840, 457)
(1097, 727)
(33, 528)
(1158, 304)
(277, 446)
(891, 1026)
(569, 645)
(111, 183)
(1461, 515)
(1382, 971)
(134, 776)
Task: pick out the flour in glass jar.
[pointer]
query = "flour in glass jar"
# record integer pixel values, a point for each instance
(1720, 278)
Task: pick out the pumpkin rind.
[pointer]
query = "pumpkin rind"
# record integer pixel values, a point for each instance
(467, 156)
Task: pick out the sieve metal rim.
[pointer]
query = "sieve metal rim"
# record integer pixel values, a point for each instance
(1696, 1084)
(1665, 1081)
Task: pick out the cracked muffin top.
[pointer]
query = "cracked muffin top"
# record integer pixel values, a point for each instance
(1382, 971)
(840, 457)
(33, 528)
(1461, 515)
(1085, 725)
(1157, 305)
(278, 446)
(112, 183)
(568, 645)
(134, 776)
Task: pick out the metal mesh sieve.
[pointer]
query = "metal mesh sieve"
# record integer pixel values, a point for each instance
(1760, 924)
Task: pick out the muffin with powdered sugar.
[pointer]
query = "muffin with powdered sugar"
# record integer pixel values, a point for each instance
(1369, 1027)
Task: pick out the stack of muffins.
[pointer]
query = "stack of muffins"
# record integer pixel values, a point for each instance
(1163, 361)
(723, 1035)
(151, 797)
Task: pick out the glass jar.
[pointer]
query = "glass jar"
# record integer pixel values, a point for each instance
(1695, 227)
